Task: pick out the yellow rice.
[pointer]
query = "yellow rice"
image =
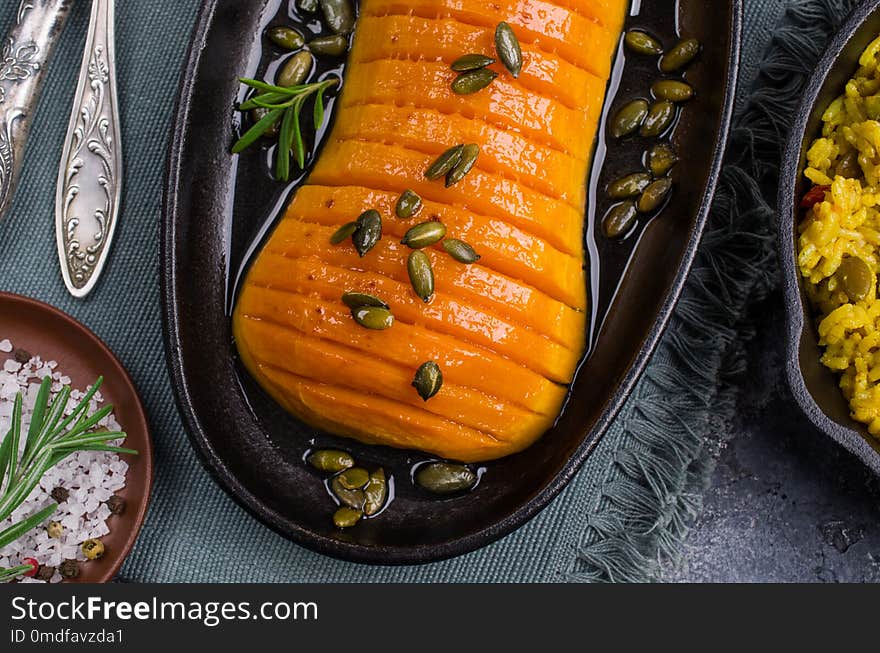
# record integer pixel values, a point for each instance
(847, 223)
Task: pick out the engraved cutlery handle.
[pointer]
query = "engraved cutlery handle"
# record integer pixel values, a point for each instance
(90, 176)
(24, 56)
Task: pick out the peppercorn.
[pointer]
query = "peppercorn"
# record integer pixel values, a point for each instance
(116, 504)
(93, 549)
(46, 573)
(55, 530)
(69, 569)
(34, 567)
(22, 356)
(60, 494)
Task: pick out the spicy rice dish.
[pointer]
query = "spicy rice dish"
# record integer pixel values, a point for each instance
(839, 238)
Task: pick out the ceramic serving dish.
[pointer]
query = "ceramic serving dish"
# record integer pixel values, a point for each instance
(53, 335)
(813, 385)
(217, 205)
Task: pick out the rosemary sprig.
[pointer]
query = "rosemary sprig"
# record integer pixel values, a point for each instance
(283, 104)
(51, 438)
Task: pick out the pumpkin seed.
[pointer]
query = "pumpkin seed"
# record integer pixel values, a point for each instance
(469, 156)
(654, 195)
(376, 492)
(346, 517)
(672, 90)
(473, 81)
(373, 317)
(424, 235)
(351, 498)
(681, 54)
(296, 69)
(855, 278)
(307, 5)
(408, 205)
(445, 162)
(354, 478)
(471, 62)
(848, 165)
(338, 15)
(286, 37)
(421, 274)
(507, 47)
(368, 233)
(659, 119)
(642, 43)
(343, 233)
(460, 251)
(661, 159)
(619, 220)
(329, 46)
(261, 112)
(428, 380)
(445, 478)
(629, 118)
(361, 299)
(330, 460)
(629, 186)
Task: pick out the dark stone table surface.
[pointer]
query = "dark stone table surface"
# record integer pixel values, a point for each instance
(786, 503)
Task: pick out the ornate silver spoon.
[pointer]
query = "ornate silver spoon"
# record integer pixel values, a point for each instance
(90, 177)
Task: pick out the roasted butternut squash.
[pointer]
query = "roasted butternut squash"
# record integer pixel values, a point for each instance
(508, 330)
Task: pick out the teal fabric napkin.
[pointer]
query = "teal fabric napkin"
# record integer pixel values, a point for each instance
(629, 505)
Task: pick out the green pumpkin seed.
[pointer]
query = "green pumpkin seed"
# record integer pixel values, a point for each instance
(295, 71)
(258, 114)
(330, 460)
(661, 159)
(642, 43)
(471, 62)
(373, 317)
(286, 37)
(361, 299)
(654, 195)
(351, 498)
(343, 233)
(629, 118)
(468, 159)
(629, 186)
(369, 232)
(307, 5)
(408, 205)
(672, 90)
(421, 274)
(855, 277)
(659, 119)
(445, 162)
(445, 478)
(329, 46)
(680, 55)
(428, 380)
(460, 251)
(354, 478)
(848, 165)
(346, 517)
(619, 220)
(507, 47)
(424, 235)
(376, 493)
(473, 81)
(339, 15)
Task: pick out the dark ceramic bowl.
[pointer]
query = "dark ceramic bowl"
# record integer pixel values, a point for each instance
(814, 386)
(216, 204)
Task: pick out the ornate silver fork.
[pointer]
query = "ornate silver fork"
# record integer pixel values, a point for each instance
(90, 177)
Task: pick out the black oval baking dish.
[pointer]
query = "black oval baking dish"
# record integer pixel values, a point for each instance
(815, 387)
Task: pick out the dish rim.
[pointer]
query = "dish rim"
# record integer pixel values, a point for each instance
(848, 436)
(419, 554)
(143, 424)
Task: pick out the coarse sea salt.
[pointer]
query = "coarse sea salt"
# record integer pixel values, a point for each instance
(91, 477)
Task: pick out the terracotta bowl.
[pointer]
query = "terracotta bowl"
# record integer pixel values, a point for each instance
(47, 332)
